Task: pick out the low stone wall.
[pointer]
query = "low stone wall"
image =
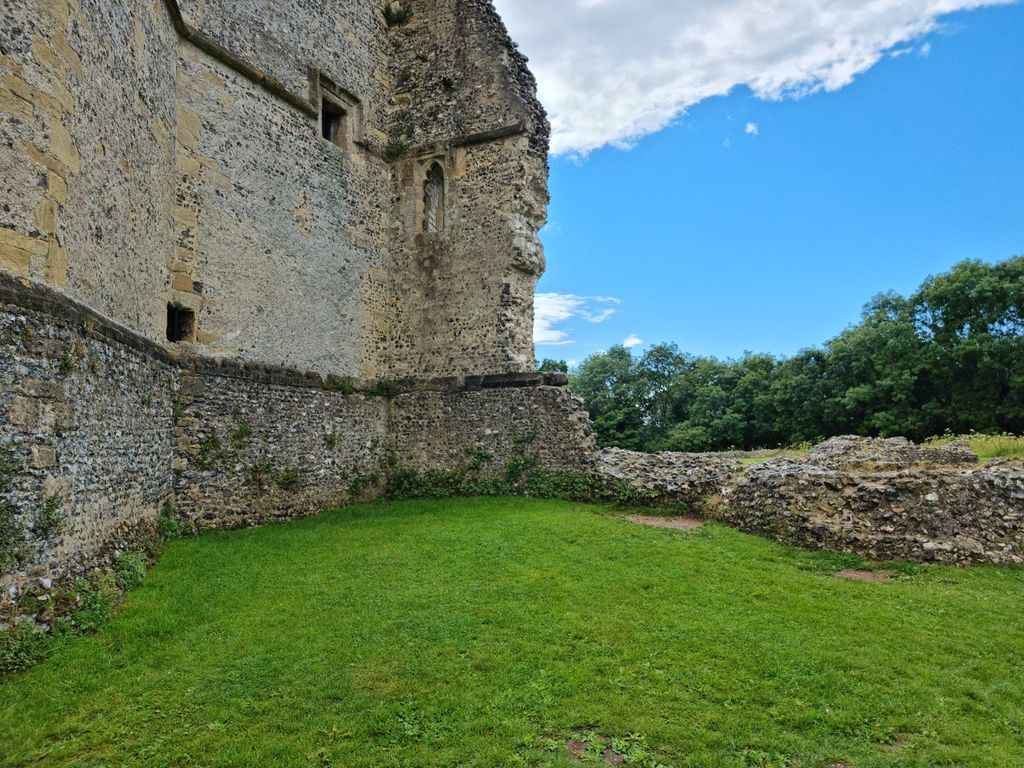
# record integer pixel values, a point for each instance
(936, 514)
(255, 447)
(687, 479)
(101, 428)
(883, 499)
(541, 424)
(880, 454)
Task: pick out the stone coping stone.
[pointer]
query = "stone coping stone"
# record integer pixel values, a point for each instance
(20, 296)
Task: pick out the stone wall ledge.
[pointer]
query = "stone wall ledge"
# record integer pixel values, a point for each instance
(20, 295)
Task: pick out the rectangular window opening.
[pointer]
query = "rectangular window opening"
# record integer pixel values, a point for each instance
(180, 323)
(333, 120)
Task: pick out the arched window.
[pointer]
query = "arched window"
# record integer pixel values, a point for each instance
(433, 200)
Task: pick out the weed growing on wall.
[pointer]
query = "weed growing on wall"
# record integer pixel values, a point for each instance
(209, 452)
(287, 478)
(49, 518)
(240, 436)
(167, 525)
(13, 545)
(68, 361)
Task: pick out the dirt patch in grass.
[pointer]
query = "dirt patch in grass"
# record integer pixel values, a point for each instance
(578, 751)
(868, 577)
(660, 521)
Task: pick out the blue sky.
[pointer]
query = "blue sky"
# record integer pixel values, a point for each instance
(765, 225)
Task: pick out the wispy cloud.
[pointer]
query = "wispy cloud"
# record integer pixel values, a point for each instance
(612, 71)
(632, 341)
(752, 129)
(553, 310)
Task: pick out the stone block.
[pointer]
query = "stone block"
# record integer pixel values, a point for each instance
(43, 456)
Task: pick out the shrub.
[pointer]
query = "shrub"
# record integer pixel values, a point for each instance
(168, 526)
(21, 646)
(94, 601)
(131, 570)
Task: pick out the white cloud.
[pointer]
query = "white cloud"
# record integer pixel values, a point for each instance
(611, 71)
(555, 309)
(752, 129)
(632, 341)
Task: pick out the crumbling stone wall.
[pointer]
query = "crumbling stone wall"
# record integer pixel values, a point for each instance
(958, 516)
(875, 453)
(883, 499)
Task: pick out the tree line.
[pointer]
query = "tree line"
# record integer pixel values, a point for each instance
(948, 358)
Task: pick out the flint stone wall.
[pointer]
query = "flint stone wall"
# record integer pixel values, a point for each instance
(872, 453)
(114, 426)
(688, 479)
(86, 410)
(958, 516)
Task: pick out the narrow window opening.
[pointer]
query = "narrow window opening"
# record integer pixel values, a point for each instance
(433, 200)
(332, 123)
(180, 323)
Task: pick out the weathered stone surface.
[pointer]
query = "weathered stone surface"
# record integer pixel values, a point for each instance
(673, 478)
(173, 152)
(884, 499)
(939, 514)
(871, 453)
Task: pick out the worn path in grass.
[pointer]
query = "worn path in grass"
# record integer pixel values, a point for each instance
(490, 632)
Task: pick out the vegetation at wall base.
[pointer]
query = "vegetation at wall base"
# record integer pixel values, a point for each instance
(35, 625)
(501, 632)
(947, 359)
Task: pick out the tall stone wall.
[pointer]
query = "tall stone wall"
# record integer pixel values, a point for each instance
(87, 121)
(172, 152)
(464, 102)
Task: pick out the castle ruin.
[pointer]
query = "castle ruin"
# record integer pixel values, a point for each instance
(258, 258)
(252, 255)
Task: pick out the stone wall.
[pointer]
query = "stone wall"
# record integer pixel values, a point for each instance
(500, 418)
(257, 445)
(958, 516)
(85, 412)
(100, 427)
(172, 152)
(883, 499)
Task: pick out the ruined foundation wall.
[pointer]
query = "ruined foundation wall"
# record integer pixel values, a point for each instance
(937, 514)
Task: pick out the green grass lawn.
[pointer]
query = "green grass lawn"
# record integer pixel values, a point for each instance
(490, 632)
(990, 447)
